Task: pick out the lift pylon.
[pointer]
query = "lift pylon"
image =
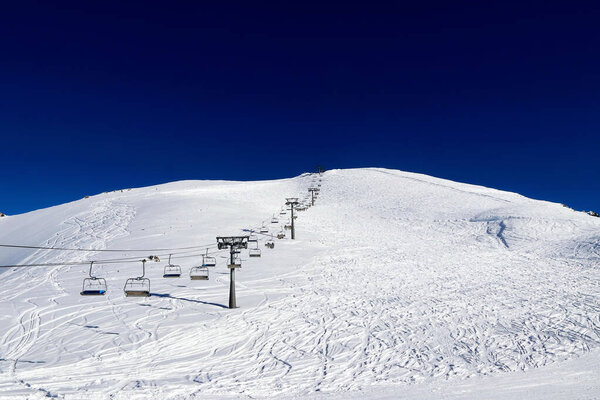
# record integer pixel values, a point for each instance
(313, 191)
(292, 201)
(234, 243)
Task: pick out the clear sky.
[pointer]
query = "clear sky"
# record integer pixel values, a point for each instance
(96, 96)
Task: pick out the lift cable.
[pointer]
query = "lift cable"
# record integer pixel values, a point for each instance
(101, 250)
(98, 262)
(118, 260)
(113, 260)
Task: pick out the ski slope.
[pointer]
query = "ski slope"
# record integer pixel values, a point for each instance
(399, 285)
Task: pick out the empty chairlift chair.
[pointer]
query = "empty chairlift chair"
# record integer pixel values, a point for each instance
(274, 220)
(199, 273)
(172, 271)
(237, 262)
(208, 261)
(252, 238)
(93, 286)
(254, 252)
(264, 229)
(138, 287)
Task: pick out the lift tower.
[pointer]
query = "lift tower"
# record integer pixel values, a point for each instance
(234, 243)
(292, 201)
(313, 191)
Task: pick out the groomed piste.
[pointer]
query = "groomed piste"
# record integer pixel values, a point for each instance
(398, 285)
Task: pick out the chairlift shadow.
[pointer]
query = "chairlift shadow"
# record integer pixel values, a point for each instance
(168, 296)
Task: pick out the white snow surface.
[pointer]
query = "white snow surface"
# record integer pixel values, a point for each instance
(399, 285)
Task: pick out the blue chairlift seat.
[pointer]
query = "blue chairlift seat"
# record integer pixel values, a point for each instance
(94, 287)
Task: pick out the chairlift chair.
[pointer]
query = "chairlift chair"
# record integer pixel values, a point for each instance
(274, 220)
(199, 273)
(282, 212)
(208, 261)
(288, 226)
(253, 238)
(138, 287)
(93, 286)
(264, 229)
(236, 262)
(254, 252)
(172, 271)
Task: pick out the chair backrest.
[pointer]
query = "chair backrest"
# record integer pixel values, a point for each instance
(172, 268)
(199, 271)
(94, 284)
(209, 261)
(137, 284)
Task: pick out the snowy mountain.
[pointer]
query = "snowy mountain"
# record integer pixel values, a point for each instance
(399, 285)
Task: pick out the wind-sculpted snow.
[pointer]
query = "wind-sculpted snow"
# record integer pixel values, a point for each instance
(398, 283)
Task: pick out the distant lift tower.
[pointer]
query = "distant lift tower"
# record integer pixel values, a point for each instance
(292, 201)
(313, 191)
(234, 243)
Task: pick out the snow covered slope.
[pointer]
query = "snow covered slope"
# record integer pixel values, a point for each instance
(398, 285)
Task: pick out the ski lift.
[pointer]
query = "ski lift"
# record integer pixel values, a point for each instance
(281, 235)
(282, 212)
(254, 252)
(208, 261)
(253, 238)
(270, 244)
(264, 229)
(172, 271)
(235, 260)
(237, 263)
(93, 286)
(274, 220)
(288, 226)
(138, 287)
(199, 273)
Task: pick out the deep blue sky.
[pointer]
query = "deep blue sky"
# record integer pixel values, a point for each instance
(95, 97)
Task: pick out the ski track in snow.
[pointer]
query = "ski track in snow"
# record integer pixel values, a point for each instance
(42, 290)
(426, 281)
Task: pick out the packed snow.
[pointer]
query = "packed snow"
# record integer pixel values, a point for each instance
(398, 285)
